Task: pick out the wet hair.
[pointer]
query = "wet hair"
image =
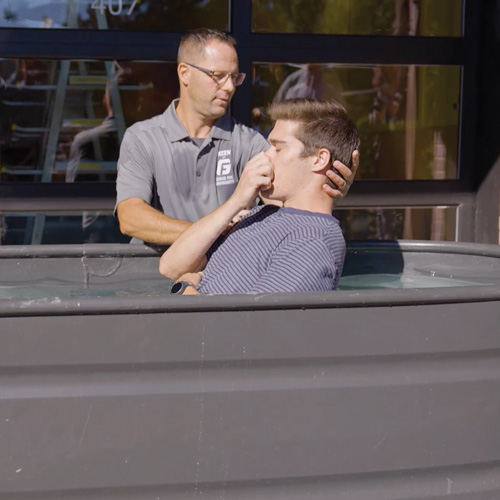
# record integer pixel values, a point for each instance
(196, 41)
(322, 124)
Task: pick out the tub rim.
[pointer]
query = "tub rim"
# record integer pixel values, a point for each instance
(247, 302)
(139, 250)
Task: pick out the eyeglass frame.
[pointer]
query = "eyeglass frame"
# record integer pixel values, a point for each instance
(211, 74)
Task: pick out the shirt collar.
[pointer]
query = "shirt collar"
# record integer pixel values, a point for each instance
(222, 128)
(177, 132)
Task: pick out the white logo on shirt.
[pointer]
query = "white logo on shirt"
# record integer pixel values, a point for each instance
(224, 174)
(223, 167)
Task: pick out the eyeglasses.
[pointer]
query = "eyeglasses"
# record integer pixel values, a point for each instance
(221, 77)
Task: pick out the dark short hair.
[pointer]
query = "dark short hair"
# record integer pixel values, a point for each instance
(322, 124)
(199, 38)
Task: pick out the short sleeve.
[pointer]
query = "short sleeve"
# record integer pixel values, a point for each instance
(135, 170)
(304, 264)
(259, 144)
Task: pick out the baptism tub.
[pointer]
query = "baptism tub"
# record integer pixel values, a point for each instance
(386, 389)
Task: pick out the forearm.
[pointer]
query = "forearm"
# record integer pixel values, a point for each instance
(140, 220)
(187, 253)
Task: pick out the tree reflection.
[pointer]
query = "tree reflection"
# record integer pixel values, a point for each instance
(364, 17)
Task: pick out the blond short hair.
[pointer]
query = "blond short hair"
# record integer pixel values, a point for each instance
(322, 124)
(195, 41)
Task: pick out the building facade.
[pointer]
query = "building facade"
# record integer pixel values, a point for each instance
(419, 78)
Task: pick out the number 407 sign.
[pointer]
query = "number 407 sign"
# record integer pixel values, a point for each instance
(115, 7)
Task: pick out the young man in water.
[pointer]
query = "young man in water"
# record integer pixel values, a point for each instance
(296, 247)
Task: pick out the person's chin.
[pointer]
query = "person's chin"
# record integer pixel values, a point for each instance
(217, 112)
(270, 194)
(221, 105)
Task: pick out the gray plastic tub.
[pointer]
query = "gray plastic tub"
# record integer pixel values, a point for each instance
(112, 389)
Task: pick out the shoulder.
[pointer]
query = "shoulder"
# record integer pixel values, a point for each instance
(246, 134)
(143, 137)
(162, 122)
(313, 227)
(311, 221)
(245, 142)
(243, 129)
(256, 214)
(138, 129)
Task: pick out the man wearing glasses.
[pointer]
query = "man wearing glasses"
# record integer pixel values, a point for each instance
(179, 166)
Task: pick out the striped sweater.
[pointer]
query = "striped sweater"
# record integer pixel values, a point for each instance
(276, 249)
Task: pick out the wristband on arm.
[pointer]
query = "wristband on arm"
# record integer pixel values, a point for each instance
(179, 286)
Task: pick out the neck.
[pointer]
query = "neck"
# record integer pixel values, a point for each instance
(312, 200)
(195, 124)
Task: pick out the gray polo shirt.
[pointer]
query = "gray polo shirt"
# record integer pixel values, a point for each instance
(190, 181)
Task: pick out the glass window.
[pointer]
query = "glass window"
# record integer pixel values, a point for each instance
(429, 223)
(62, 121)
(141, 15)
(407, 116)
(359, 17)
(55, 229)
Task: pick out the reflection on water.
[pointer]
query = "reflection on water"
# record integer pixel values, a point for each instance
(161, 287)
(374, 281)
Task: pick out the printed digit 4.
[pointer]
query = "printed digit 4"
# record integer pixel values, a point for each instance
(98, 5)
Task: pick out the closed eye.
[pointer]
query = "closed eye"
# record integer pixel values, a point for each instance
(277, 145)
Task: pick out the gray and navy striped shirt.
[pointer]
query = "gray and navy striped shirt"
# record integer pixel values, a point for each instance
(276, 249)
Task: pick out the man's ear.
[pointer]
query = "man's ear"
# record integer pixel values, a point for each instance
(322, 161)
(182, 72)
